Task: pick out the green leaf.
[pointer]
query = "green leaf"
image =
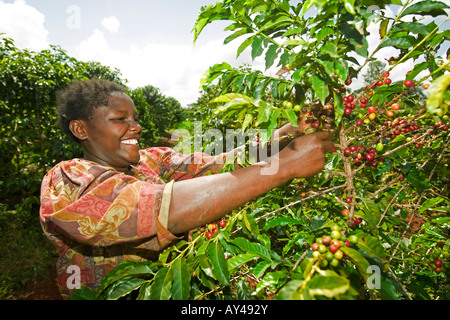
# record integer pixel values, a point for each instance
(414, 27)
(383, 27)
(338, 107)
(328, 283)
(426, 7)
(358, 260)
(181, 281)
(290, 114)
(306, 6)
(388, 289)
(84, 294)
(247, 121)
(331, 49)
(323, 33)
(251, 247)
(244, 45)
(263, 112)
(125, 269)
(436, 94)
(219, 264)
(384, 93)
(429, 204)
(260, 89)
(275, 21)
(294, 42)
(246, 221)
(417, 179)
(280, 221)
(341, 69)
(257, 46)
(209, 14)
(399, 43)
(205, 264)
(350, 6)
(232, 96)
(206, 280)
(261, 268)
(237, 34)
(236, 261)
(272, 280)
(273, 123)
(418, 68)
(371, 211)
(290, 291)
(162, 284)
(372, 246)
(354, 36)
(124, 287)
(213, 73)
(320, 88)
(271, 55)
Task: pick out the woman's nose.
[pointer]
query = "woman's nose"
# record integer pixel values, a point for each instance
(135, 127)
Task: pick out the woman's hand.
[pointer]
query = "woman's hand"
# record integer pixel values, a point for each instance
(305, 155)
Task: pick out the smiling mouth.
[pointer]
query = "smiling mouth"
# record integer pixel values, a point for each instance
(133, 142)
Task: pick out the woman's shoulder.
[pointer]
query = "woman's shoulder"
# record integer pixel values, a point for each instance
(77, 166)
(156, 151)
(77, 171)
(157, 156)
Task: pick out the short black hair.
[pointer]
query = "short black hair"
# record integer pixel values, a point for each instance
(80, 98)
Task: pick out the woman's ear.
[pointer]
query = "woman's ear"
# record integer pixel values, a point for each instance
(78, 128)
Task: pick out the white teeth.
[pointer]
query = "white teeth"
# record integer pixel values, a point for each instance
(130, 141)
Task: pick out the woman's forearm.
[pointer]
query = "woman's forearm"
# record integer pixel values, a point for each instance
(199, 201)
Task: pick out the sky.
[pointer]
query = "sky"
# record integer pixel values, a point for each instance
(149, 41)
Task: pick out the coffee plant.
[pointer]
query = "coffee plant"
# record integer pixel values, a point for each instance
(374, 223)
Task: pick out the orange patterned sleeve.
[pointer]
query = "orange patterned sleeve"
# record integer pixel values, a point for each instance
(99, 207)
(171, 165)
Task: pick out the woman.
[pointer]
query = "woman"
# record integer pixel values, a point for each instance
(122, 203)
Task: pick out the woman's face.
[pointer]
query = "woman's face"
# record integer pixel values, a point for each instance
(113, 133)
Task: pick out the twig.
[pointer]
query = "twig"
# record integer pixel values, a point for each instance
(299, 260)
(389, 205)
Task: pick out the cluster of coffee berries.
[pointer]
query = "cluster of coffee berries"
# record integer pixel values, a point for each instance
(319, 116)
(327, 248)
(384, 80)
(212, 228)
(355, 219)
(350, 105)
(437, 257)
(350, 101)
(399, 126)
(361, 155)
(441, 126)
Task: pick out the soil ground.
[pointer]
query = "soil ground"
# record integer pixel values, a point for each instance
(45, 290)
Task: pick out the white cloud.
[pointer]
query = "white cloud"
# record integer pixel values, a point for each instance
(111, 24)
(24, 24)
(94, 47)
(176, 69)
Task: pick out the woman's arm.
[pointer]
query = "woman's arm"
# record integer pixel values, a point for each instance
(199, 201)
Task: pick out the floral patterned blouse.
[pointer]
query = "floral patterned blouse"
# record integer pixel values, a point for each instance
(97, 217)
